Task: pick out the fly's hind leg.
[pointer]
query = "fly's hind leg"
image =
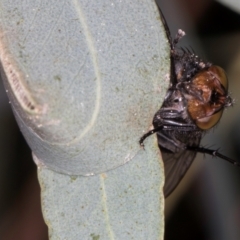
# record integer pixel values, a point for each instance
(214, 153)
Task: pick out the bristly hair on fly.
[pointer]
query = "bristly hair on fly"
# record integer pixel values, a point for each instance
(194, 103)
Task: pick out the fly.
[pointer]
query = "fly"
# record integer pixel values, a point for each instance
(194, 103)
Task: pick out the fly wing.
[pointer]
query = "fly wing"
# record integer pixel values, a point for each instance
(176, 158)
(175, 167)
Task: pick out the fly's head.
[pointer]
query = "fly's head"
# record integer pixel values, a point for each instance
(207, 96)
(204, 87)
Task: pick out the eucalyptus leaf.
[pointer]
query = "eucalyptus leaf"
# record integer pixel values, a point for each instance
(125, 203)
(85, 78)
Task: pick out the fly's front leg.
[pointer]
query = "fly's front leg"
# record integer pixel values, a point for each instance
(148, 134)
(168, 125)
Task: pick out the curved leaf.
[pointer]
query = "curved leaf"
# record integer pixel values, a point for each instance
(85, 79)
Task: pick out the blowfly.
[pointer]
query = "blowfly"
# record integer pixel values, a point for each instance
(194, 103)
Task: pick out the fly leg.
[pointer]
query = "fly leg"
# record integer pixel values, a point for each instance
(167, 125)
(148, 134)
(214, 153)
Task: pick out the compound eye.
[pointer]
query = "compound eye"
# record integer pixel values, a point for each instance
(208, 122)
(208, 97)
(220, 75)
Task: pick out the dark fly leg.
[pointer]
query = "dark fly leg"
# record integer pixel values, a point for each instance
(213, 153)
(148, 134)
(167, 125)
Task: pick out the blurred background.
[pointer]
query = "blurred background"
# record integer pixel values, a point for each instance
(206, 205)
(20, 209)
